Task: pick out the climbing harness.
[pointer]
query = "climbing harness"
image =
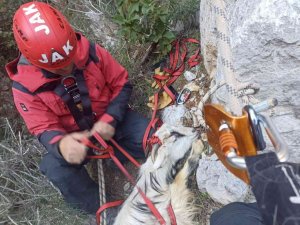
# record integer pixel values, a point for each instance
(235, 137)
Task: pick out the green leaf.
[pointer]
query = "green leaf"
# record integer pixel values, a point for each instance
(136, 7)
(169, 35)
(163, 18)
(119, 19)
(145, 10)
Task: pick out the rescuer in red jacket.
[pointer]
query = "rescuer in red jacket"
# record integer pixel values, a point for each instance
(66, 88)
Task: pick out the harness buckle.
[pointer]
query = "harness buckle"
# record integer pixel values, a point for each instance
(70, 85)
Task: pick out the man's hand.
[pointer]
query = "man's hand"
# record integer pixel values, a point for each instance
(105, 130)
(71, 149)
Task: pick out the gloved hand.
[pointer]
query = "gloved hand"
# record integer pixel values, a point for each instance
(276, 188)
(71, 149)
(105, 130)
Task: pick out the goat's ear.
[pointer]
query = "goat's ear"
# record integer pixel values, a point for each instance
(160, 158)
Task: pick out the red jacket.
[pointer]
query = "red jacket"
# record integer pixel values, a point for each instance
(45, 113)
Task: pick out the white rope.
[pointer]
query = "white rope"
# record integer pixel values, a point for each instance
(102, 193)
(224, 50)
(239, 94)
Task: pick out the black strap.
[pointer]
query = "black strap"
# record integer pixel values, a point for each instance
(82, 122)
(84, 95)
(276, 187)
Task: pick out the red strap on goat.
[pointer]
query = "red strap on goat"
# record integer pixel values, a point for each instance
(109, 150)
(151, 124)
(125, 153)
(172, 215)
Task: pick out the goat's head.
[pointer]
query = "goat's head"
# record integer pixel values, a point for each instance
(175, 151)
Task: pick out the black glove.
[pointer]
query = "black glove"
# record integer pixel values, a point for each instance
(276, 187)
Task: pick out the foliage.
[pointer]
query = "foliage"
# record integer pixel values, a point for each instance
(182, 10)
(7, 44)
(145, 21)
(26, 196)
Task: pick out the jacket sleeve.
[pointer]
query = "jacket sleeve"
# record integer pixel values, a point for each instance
(116, 78)
(40, 120)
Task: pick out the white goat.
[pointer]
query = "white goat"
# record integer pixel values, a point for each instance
(163, 178)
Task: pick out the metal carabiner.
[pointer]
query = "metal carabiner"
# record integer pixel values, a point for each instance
(280, 146)
(183, 96)
(255, 128)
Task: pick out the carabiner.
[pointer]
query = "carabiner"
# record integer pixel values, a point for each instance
(255, 128)
(183, 96)
(281, 148)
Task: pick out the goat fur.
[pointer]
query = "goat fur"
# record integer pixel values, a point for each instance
(163, 178)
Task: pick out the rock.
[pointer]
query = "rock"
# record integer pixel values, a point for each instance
(265, 40)
(126, 187)
(192, 86)
(103, 28)
(189, 76)
(218, 182)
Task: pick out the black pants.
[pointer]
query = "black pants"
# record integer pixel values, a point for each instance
(74, 182)
(237, 213)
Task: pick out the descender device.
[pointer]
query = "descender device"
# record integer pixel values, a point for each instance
(235, 137)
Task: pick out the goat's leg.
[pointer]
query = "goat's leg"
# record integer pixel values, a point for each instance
(192, 162)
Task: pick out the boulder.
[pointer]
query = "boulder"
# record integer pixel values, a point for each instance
(218, 182)
(265, 42)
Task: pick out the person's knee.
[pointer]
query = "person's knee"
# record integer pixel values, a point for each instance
(237, 213)
(57, 170)
(48, 162)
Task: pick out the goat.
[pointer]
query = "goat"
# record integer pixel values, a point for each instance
(163, 178)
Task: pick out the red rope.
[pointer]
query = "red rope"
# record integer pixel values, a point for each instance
(176, 67)
(109, 150)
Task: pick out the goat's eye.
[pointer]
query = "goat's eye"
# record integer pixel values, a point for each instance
(176, 134)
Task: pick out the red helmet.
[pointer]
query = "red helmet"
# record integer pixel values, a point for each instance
(44, 36)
